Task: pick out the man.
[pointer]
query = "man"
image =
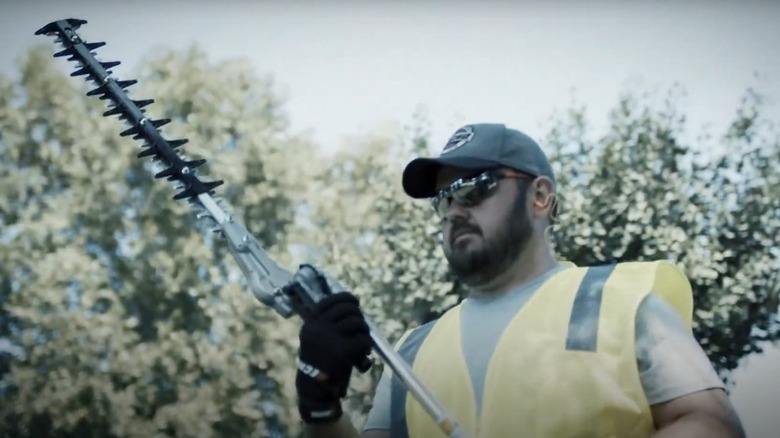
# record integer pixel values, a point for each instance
(539, 348)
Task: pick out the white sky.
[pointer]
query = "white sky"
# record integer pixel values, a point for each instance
(348, 67)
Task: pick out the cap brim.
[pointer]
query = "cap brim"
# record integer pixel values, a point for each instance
(419, 177)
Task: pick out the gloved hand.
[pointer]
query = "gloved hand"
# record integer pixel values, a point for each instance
(333, 339)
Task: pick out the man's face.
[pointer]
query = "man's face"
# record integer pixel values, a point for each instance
(482, 241)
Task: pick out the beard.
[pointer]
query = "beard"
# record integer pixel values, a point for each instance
(477, 263)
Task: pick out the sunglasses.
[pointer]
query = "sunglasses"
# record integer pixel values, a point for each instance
(470, 191)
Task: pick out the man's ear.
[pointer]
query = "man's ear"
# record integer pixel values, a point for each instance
(543, 195)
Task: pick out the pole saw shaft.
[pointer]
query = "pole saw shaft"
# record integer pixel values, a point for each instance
(271, 284)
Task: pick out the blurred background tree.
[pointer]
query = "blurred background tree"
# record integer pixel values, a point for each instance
(119, 318)
(129, 323)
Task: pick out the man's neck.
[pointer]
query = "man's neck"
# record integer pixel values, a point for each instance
(534, 262)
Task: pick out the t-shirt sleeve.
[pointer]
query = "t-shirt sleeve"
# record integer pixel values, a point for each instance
(379, 415)
(671, 362)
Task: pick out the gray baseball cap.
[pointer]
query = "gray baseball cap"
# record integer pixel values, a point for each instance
(481, 146)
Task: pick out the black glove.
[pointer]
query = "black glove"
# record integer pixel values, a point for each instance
(333, 339)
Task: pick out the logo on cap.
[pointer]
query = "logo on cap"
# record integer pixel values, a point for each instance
(458, 139)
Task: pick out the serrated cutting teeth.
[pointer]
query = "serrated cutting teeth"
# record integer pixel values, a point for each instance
(126, 84)
(66, 52)
(80, 72)
(93, 46)
(169, 171)
(130, 131)
(148, 152)
(183, 195)
(104, 89)
(109, 64)
(160, 122)
(177, 143)
(138, 129)
(192, 165)
(177, 168)
(99, 90)
(113, 111)
(212, 185)
(143, 103)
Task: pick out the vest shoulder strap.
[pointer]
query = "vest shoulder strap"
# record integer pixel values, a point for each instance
(407, 348)
(671, 284)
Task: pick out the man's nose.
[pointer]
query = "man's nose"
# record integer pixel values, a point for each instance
(455, 212)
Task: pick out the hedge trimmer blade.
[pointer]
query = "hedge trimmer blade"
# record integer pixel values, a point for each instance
(264, 276)
(177, 169)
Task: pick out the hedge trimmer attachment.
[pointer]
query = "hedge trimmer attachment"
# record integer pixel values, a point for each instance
(287, 293)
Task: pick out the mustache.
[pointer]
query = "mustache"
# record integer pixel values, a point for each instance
(459, 228)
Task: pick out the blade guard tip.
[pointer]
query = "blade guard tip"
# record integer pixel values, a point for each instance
(74, 23)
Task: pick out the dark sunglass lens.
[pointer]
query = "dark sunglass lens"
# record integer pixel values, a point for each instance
(474, 194)
(466, 192)
(467, 195)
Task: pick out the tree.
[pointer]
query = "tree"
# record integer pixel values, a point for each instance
(129, 323)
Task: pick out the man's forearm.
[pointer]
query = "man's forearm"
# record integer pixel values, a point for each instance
(343, 428)
(701, 425)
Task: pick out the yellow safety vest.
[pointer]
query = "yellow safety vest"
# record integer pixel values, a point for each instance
(565, 366)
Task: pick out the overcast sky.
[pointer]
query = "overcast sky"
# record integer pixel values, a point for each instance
(349, 66)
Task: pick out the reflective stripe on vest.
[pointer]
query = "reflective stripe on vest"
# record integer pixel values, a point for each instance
(584, 323)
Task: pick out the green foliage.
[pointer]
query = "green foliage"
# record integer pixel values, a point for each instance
(118, 318)
(130, 323)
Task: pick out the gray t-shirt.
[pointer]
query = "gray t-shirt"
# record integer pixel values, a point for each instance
(671, 363)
